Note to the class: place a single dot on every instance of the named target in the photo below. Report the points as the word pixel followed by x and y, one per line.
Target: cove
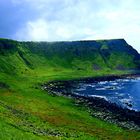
pixel 123 92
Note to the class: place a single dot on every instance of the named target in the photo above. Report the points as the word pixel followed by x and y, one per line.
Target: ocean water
pixel 123 92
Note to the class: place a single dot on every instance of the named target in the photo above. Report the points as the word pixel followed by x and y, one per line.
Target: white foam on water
pixel 138 78
pixel 91 85
pixel 101 88
pixel 134 80
pixel 121 94
pixel 110 87
pixel 98 96
pixel 127 101
pixel 102 82
pixel 80 89
pixel 114 83
pixel 118 80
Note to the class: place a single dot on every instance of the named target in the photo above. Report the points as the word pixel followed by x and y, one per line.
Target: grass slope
pixel 27 112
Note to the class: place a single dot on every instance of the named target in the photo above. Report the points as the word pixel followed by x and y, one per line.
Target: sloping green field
pixel 28 112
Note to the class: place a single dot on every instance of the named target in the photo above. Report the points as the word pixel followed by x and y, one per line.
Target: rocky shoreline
pixel 97 107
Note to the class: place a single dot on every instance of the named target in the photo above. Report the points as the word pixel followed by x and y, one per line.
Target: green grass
pixel 50 114
pixel 28 112
pixel 9 131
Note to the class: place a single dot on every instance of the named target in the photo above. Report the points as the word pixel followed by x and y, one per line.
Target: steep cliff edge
pixel 88 56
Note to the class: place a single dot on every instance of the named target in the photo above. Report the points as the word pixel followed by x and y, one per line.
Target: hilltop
pixel 79 56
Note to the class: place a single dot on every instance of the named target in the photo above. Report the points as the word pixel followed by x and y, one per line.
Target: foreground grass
pixel 27 112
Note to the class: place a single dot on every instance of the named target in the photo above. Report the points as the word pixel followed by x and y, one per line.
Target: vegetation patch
pixel 28 112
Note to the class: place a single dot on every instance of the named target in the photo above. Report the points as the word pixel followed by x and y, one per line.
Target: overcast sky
pixel 54 20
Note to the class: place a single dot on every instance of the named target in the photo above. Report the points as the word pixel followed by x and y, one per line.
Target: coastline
pixel 97 107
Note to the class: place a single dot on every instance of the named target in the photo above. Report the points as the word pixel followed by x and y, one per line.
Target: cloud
pixel 33 30
pixel 71 20
pixel 42 30
pixel 68 21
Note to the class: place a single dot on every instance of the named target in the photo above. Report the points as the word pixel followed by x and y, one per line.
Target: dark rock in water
pixel 97 107
pixel 128 104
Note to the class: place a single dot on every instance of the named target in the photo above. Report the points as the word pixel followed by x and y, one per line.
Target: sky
pixel 57 20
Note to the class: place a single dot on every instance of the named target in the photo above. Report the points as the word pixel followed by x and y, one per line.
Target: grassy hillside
pixel 28 112
pixel 78 56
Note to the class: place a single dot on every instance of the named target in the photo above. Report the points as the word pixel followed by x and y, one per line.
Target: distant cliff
pixel 82 56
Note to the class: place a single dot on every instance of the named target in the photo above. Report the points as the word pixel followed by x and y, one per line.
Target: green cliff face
pixel 90 56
